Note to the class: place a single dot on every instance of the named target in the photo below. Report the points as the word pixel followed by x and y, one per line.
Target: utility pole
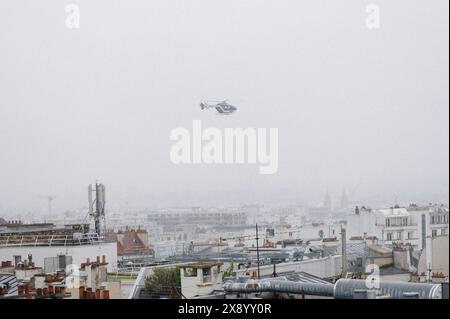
pixel 429 273
pixel 344 251
pixel 257 249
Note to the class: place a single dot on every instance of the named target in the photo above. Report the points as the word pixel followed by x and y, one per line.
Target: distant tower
pixel 327 200
pixel 50 199
pixel 344 199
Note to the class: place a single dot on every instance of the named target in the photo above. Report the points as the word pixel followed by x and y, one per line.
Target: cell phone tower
pixel 97 206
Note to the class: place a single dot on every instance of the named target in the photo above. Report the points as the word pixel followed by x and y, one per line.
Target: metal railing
pixel 49 240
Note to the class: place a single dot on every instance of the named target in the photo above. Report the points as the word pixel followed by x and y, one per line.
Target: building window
pixel 399 235
pixel 389 236
pixel 444 231
pixel 410 235
pixel 434 233
pixel 388 222
pixel 190 272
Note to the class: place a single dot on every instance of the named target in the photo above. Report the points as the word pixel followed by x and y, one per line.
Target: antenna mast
pixel 257 249
pixel 99 213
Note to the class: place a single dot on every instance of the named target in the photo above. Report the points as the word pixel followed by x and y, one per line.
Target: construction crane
pixel 50 199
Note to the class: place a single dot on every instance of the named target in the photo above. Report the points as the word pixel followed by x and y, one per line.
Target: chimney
pixel 103 259
pixel 81 292
pixel 105 294
pixel 98 259
pixel 88 260
pixel 27 287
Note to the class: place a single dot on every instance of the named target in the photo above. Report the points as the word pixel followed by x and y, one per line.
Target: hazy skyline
pixel 365 109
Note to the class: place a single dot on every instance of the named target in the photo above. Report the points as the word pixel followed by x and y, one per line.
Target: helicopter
pixel 223 107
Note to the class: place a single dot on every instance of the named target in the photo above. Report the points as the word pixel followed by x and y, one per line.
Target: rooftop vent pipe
pixel 342 289
pixel 281 286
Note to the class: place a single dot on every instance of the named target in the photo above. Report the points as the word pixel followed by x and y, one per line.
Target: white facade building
pixel 411 225
pixel 78 253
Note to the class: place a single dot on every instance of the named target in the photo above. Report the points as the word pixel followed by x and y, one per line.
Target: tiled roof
pixel 128 243
pixel 10 281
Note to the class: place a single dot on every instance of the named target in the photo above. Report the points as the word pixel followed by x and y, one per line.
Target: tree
pixel 164 282
pixel 229 271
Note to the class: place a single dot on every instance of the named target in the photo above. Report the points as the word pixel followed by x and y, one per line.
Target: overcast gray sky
pixel 365 109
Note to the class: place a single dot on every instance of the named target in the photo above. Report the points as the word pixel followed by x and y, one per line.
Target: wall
pixel 115 289
pixel 195 286
pixel 78 253
pixel 406 277
pixel 440 254
pixel 322 267
pixel 189 286
pixel 436 257
pixel 364 222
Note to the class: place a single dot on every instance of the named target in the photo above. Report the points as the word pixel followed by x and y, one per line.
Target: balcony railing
pixel 397 226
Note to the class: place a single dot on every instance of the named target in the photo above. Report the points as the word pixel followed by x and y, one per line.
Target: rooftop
pixel 388 212
pixel 50 240
pixel 202 264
